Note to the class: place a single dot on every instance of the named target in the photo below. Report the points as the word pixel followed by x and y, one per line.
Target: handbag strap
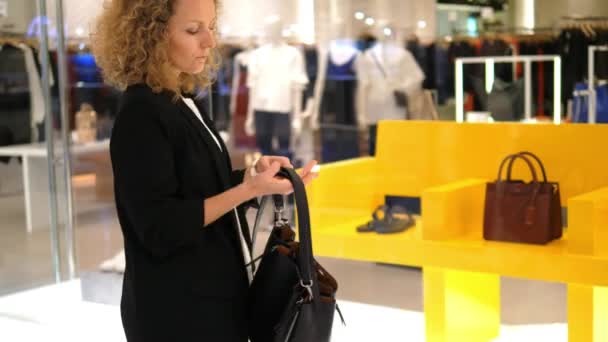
pixel 502 166
pixel 378 64
pixel 511 159
pixel 305 255
pixel 533 156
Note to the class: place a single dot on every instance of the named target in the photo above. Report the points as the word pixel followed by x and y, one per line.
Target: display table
pixel 35 178
pixel 447 165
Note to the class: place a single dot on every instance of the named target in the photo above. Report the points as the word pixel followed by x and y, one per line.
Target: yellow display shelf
pixel 448 165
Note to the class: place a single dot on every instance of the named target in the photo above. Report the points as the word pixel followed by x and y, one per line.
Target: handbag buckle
pixel 308 288
pixel 279 219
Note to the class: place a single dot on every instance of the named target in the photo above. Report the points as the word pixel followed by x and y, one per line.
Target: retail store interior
pixel 410 106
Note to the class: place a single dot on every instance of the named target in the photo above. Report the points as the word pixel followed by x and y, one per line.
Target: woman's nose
pixel 208 40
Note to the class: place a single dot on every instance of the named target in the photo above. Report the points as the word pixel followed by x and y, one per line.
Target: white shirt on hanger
pixel 246 253
pixel 274 72
pixel 35 83
pixel 402 73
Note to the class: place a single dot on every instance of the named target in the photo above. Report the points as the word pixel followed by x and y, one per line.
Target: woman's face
pixel 191 35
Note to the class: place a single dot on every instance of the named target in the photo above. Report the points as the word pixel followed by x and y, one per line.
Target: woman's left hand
pixel 265 161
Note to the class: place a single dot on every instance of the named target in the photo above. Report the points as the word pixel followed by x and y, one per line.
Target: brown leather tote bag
pixel 516 211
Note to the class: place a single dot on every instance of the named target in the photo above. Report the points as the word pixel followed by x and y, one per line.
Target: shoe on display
pixel 388 220
pixel 377 216
pixel 396 220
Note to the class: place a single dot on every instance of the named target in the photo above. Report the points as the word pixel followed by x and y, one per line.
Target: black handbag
pixel 292 298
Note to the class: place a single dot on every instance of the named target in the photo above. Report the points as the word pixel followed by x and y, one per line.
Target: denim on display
pixel 373 129
pixel 269 125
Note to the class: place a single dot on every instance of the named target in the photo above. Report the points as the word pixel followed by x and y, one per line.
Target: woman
pixel 186 245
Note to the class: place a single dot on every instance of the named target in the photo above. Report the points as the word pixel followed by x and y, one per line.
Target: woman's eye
pixel 193 31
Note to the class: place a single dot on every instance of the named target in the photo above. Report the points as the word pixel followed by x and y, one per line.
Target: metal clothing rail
pixel 528 60
pixel 592 117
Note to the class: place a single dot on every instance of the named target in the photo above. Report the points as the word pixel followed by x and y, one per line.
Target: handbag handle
pixel 533 156
pixel 305 255
pixel 511 159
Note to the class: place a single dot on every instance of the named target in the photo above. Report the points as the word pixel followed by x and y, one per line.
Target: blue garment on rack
pixel 339 135
pixel 442 75
pixel 338 103
pixel 580 104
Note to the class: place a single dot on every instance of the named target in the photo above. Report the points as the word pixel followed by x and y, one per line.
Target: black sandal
pixel 397 219
pixel 378 215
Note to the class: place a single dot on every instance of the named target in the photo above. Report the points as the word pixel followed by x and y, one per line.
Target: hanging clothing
pixel 241 106
pixel 497 47
pixel 269 125
pixel 442 75
pixel 274 72
pixel 601 58
pixel 15 98
pixel 382 70
pixel 425 57
pixel 338 98
pixel 574 53
pixel 338 119
pixel 35 85
pixel 456 50
pixel 303 144
pixel 311 58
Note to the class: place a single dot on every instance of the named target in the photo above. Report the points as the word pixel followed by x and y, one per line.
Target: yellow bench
pixel 447 165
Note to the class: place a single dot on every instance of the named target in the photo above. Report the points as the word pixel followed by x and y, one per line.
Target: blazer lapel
pixel 218 158
pixel 242 218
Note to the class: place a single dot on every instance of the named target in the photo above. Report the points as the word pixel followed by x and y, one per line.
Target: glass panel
pixel 25 194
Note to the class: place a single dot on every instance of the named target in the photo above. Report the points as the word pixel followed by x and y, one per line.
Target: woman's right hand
pixel 266 182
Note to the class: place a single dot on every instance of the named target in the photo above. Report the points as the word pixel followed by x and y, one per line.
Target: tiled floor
pixel 25 263
pixel 56 313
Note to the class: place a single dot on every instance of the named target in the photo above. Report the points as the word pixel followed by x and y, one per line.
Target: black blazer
pixel 183 281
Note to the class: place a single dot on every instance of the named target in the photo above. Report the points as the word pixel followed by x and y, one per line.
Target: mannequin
pixel 239 98
pixel 334 106
pixel 276 79
pixel 384 68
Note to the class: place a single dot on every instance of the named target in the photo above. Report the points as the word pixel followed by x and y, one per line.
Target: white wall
pixel 246 18
pixel 310 18
pixel 547 13
pixel 402 14
pixel 19 14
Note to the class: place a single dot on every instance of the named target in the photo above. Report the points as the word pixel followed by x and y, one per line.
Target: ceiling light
pixel 359 15
pixel 370 21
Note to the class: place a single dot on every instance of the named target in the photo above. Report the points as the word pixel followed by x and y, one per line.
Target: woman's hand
pixel 266 182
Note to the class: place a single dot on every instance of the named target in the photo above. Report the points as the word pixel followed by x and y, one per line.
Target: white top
pixel 341 51
pixel 194 109
pixel 244 246
pixel 402 73
pixel 274 71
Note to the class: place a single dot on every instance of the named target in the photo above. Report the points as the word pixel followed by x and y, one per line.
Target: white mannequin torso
pixel 382 69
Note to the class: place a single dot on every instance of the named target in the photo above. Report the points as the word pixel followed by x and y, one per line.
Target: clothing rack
pixel 586 24
pixel 488 61
pixel 592 117
pixel 15 39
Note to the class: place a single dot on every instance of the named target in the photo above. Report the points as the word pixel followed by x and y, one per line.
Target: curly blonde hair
pixel 130 45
